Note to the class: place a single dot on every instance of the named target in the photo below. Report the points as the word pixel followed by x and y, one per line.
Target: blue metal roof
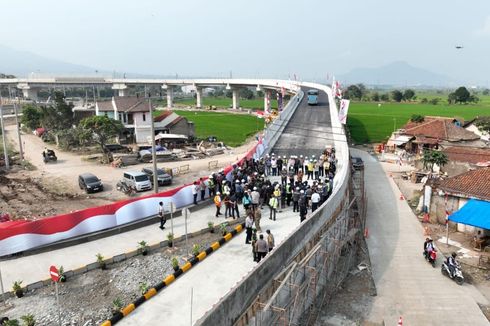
pixel 475 212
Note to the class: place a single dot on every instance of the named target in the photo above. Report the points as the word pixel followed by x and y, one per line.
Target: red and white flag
pixel 344 109
pixel 338 93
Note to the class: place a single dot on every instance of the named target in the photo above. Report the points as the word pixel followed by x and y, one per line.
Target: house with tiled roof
pixel 450 194
pixel 433 132
pixel 462 159
pixel 134 113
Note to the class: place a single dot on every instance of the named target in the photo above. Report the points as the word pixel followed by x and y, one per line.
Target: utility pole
pixel 5 154
pixel 21 151
pixel 153 148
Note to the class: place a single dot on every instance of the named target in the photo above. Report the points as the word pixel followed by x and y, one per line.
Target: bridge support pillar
pixel 28 92
pixel 199 97
pixel 170 97
pixel 236 98
pixel 122 89
pixel 267 101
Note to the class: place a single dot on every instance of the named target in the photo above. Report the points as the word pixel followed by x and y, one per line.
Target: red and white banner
pixel 344 109
pixel 17 236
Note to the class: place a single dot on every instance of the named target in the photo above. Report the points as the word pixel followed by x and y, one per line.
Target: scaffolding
pixel 297 293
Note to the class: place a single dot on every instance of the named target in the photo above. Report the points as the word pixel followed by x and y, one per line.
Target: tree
pixel 353 92
pixel 432 157
pixel 362 89
pixel 246 93
pixel 57 117
pixel 396 95
pixel 219 92
pixel 384 97
pixel 486 91
pixel 229 93
pixel 417 118
pixel 473 99
pixel 375 97
pixel 408 95
pixel 483 124
pixel 424 100
pixel 435 100
pixel 461 95
pixel 101 129
pixel 451 98
pixel 31 116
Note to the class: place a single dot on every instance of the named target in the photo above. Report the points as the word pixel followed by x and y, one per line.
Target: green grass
pixel 224 102
pixel 369 123
pixel 231 129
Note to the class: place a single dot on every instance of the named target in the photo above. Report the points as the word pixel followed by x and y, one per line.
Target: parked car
pixel 138 180
pixel 164 179
pixel 357 163
pixel 117 148
pixel 90 183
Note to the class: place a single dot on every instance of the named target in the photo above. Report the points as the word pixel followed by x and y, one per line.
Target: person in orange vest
pixel 217 202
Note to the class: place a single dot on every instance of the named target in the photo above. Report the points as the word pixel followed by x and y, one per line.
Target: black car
pixel 357 163
pixel 117 148
pixel 164 179
pixel 90 183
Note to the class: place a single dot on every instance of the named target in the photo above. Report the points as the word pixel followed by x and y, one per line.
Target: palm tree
pixel 432 157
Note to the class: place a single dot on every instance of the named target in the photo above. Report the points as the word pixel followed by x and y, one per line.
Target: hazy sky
pixel 254 37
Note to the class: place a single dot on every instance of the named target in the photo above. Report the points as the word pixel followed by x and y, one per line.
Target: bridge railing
pixel 275 129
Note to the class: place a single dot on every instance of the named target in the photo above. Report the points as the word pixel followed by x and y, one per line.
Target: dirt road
pixel 62 175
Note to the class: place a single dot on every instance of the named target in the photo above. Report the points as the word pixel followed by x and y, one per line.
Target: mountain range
pixel 397 73
pixel 24 63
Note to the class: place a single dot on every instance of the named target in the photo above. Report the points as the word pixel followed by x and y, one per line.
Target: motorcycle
pixel 457 276
pixel 123 187
pixel 431 258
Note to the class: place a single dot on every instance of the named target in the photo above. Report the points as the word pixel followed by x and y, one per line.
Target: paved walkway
pixel 33 268
pixel 407 285
pixel 209 280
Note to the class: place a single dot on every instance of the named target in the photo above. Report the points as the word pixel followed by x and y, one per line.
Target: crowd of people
pixel 303 182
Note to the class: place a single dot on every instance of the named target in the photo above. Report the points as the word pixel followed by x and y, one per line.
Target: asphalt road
pixel 308 130
pixel 406 284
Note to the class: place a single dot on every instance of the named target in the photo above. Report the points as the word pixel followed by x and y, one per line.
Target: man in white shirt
pixel 315 200
pixel 249 222
pixel 195 189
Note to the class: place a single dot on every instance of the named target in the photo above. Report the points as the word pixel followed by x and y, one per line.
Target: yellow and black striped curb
pixel 108 261
pixel 172 277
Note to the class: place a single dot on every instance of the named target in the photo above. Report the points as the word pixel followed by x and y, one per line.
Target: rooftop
pixel 468 154
pixel 473 184
pixel 439 128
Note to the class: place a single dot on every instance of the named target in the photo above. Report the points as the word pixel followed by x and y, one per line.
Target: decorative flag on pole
pixel 338 93
pixel 334 90
pixel 279 101
pixel 344 109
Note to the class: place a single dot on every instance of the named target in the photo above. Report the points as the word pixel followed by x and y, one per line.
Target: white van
pixel 138 180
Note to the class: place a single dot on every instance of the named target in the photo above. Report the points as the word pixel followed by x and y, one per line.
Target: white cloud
pixel 485 30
